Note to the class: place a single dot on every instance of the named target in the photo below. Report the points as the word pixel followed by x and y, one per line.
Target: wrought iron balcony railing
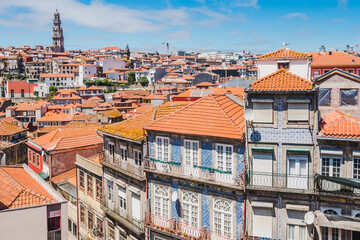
pixel 194 172
pixel 265 180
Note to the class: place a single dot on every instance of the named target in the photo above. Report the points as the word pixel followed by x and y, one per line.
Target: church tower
pixel 58 37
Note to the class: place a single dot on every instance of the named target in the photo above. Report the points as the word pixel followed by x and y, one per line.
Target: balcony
pixel 200 173
pixel 337 185
pixel 121 215
pixel 179 230
pixel 124 167
pixel 279 182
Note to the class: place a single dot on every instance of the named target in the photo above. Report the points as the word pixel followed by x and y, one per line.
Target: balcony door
pixel 162 153
pixel 297 172
pixel 262 174
pixel 191 155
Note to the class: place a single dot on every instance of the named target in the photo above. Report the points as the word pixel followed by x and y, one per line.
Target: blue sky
pixel 225 25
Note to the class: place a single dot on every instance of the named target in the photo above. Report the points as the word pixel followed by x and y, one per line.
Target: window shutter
pixel 263 112
pixel 298 112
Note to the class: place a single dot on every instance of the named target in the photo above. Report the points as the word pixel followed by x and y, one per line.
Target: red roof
pixel 340 125
pixel 336 60
pixel 281 80
pixel 56 75
pixel 284 53
pixel 17 86
pixel 213 115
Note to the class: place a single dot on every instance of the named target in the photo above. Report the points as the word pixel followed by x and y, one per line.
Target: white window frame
pixel 123 152
pixel 191 152
pixel 160 155
pixel 111 149
pixel 297 178
pixel 296 232
pixel 330 230
pixel 331 165
pixel 122 199
pixel 110 192
pixel 356 158
pixel 162 199
pixel 289 110
pixel 224 167
pixel 138 158
pixel 262 102
pixel 222 214
pixel 192 206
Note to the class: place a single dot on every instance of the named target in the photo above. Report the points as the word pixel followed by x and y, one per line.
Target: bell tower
pixel 58 37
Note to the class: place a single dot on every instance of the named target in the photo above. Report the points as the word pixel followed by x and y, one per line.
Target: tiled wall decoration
pixel 175 202
pixel 205 209
pixel 240 160
pixel 278 217
pixel 239 216
pixel 176 150
pixel 206 154
pixel 151 143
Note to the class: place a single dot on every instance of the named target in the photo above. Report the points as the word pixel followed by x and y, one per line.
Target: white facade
pixel 61 80
pixel 108 64
pixel 299 67
pixel 42 89
pixel 85 71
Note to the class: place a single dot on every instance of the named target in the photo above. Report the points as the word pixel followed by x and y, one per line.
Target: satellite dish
pixel 249 115
pixel 174 196
pixel 309 218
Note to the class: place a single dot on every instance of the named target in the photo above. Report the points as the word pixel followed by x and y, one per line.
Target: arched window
pixel 223 219
pixel 330 212
pixel 190 198
pixel 357 215
pixel 190 209
pixel 161 205
pixel 162 191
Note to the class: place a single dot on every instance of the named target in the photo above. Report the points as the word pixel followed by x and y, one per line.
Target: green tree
pixel 131 78
pixel 144 81
pixel 53 89
pixel 36 93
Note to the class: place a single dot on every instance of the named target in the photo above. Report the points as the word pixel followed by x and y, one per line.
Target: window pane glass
pixel 349 97
pixel 324 97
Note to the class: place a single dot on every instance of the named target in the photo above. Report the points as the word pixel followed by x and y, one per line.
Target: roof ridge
pixel 200 99
pixel 223 112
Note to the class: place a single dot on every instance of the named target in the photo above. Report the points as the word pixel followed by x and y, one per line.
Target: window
pixel 110 191
pixel 296 232
pixel 330 212
pixel 357 168
pixel 162 152
pixel 12 93
pixel 297 172
pixel 316 73
pixel 330 233
pixel 74 229
pixel 81 181
pixel 38 160
pixel 298 112
pixel 263 112
pixel 191 153
pixel 82 214
pixel 284 65
pixel 98 189
pixel 111 231
pixel 325 71
pixel 190 209
pixel 349 97
pixel 22 93
pixel 123 152
pixel 122 197
pixel 137 157
pixel 350 71
pixel 90 184
pixel 90 220
pixel 325 97
pixel 111 152
pixel 224 157
pixel 331 166
pixel 222 218
pixel 358 72
pixel 100 225
pixel 162 201
pixel 69 225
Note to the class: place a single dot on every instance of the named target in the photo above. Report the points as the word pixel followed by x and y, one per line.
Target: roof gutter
pixel 115 136
pixel 339 139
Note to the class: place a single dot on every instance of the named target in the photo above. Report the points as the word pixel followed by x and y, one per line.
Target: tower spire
pixel 58 37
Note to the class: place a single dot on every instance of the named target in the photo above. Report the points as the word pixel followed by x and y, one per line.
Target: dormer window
pixel 284 65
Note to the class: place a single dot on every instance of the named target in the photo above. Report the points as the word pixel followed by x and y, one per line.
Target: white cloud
pixel 342 2
pixel 246 3
pixel 235 33
pixel 296 15
pixel 178 35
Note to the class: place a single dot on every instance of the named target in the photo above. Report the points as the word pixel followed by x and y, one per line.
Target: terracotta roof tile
pixel 281 80
pixel 284 53
pixel 112 113
pixel 213 115
pixel 132 128
pixel 340 125
pixel 64 176
pixel 19 189
pixel 54 117
pixel 337 60
pixel 7 129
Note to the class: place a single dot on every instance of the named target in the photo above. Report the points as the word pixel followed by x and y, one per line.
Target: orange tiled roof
pixel 53 117
pixel 281 80
pixel 7 129
pixel 284 53
pixel 132 128
pixel 340 125
pixel 213 115
pixel 19 189
pixel 337 60
pixel 112 113
pixel 64 176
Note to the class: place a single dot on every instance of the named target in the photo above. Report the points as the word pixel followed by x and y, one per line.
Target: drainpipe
pixel 244 173
pixel 77 203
